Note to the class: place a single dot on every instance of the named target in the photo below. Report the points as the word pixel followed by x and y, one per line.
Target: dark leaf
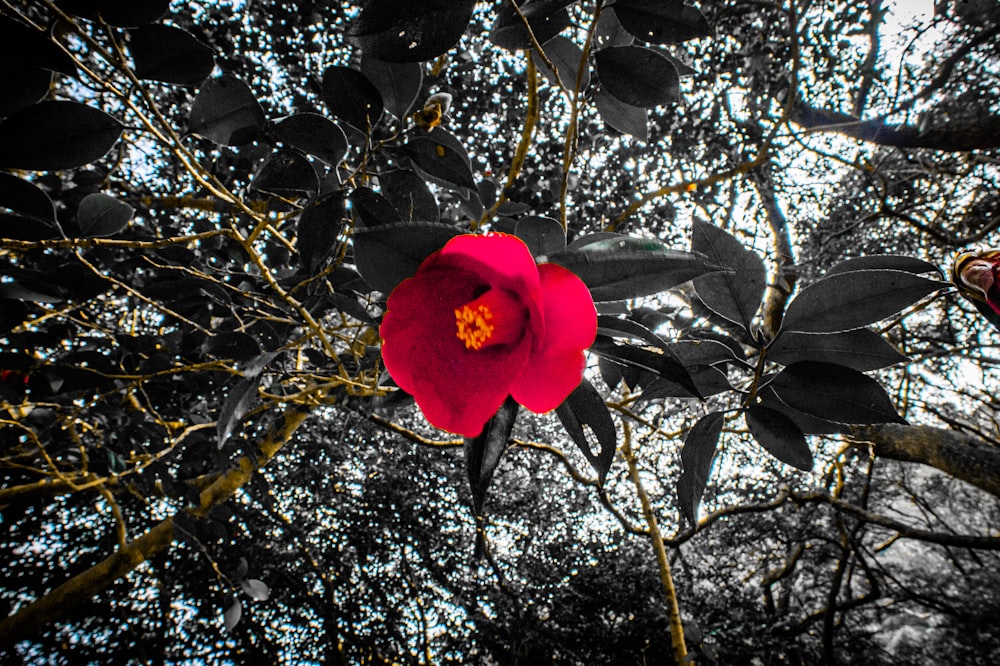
pixel 79 282
pixel 226 112
pixel 610 32
pixel 779 435
pixel 102 215
pixel 585 407
pixel 409 195
pixel 623 117
pixel 620 268
pixel 411 31
pixel 56 135
pixel 547 19
pixel 860 349
pixel 313 134
pixel 171 55
pixel 542 235
pixel 24 47
pixel 119 13
pixel 12 314
pixel 397 82
pixel 286 174
pixel 17 227
pixel 372 209
pixel 735 295
pixel 566 56
pixel 232 614
pixel 351 97
pixel 708 381
pixel 232 345
pixel 697 455
pixel 884 261
pixel 662 364
pixel 442 158
pixel 844 301
pixel 638 76
pixel 20 196
pixel 236 405
pixel 834 393
pixel 482 453
pixel 808 424
pixel 616 327
pixel 24 86
pixel 702 352
pixel 388 254
pixel 661 21
pixel 319 227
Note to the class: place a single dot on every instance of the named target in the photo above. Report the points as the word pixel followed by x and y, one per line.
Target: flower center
pixel 473 325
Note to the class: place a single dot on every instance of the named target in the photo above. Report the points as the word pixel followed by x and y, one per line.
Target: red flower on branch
pixel 977 276
pixel 480 321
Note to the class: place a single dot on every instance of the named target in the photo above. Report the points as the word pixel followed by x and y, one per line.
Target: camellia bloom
pixel 480 321
pixel 977 276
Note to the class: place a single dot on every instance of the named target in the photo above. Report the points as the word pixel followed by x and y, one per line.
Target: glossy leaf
pixel 834 393
pixel 441 157
pixel 351 97
pixel 860 349
pixel 388 254
pixel 372 209
pixel 697 455
pixel 102 215
pixel 411 31
pixel 807 423
pixel 662 364
pixel 236 405
pixel 409 195
pixel 171 55
pixel 20 196
pixel 884 261
pixel 735 295
pixel 616 327
pixel 313 134
pixel 585 407
pixel 547 19
pixel 706 379
pixel 661 21
pixel 844 301
pixel 482 453
pixel 779 435
pixel 702 352
pixel 225 111
pixel 319 228
pixel 638 76
pixel 566 56
pixel 286 174
pixel 623 117
pixel 542 235
pixel 397 82
pixel 56 135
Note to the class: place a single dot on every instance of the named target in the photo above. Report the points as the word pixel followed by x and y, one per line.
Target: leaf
pixel 638 76
pixel 662 22
pixel 119 13
pixel 372 209
pixel 808 424
pixel 398 83
pixel 313 134
pixel 844 301
pixel 482 453
pixel 56 135
pixel 834 393
pixel 542 235
pixel 286 174
pixel 388 254
pixel 226 112
pixel 412 31
pixel 20 196
pixel 236 405
pixel 860 349
pixel 621 268
pixel 23 47
pixel 441 157
pixel 351 97
pixel 623 117
pixel 616 327
pixel 735 295
pixel 884 261
pixel 547 19
pixel 231 616
pixel 702 352
pixel 697 455
pixel 706 379
pixel 24 86
pixel 255 589
pixel 566 56
pixel 102 215
pixel 319 228
pixel 12 314
pixel 585 407
pixel 171 55
pixel 662 364
pixel 779 435
pixel 409 195
pixel 232 345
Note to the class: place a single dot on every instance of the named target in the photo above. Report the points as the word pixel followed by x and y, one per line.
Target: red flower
pixel 480 321
pixel 977 276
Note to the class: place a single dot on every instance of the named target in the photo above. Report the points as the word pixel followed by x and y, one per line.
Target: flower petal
pixel 557 359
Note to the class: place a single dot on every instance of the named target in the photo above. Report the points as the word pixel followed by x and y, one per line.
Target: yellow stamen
pixel 473 327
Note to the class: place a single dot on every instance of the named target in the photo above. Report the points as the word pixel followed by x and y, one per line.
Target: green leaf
pixel 409 195
pixel 547 19
pixel 660 21
pixel 585 407
pixel 319 228
pixel 566 56
pixel 20 196
pixel 411 31
pixel 372 209
pixel 844 301
pixel 620 268
pixel 860 349
pixel 697 455
pixel 779 435
pixel 884 261
pixel 286 174
pixel 834 393
pixel 638 76
pixel 623 117
pixel 398 83
pixel 542 235
pixel 388 254
pixel 351 97
pixel 226 112
pixel 56 135
pixel 735 295
pixel 482 453
pixel 102 215
pixel 171 55
pixel 313 134
pixel 442 158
